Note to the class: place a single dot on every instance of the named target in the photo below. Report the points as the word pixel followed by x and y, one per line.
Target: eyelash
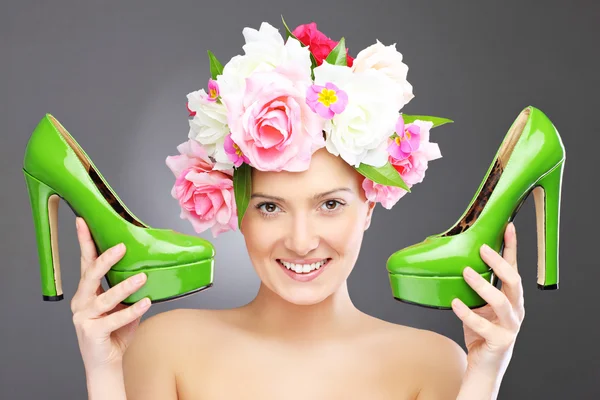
pixel 272 214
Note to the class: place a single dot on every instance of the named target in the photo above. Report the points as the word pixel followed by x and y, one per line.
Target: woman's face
pixel 303 230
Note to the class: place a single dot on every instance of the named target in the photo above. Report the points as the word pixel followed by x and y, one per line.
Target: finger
pixel 115 295
pixel 477 323
pixel 93 275
pixel 86 244
pixel 510 277
pixel 121 318
pixel 494 297
pixel 510 245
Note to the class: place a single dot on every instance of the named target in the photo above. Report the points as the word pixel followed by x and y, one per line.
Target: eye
pixel 332 205
pixel 267 209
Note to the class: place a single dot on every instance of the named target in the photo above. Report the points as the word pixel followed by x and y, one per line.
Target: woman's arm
pixel 103 325
pixel 491 331
pixel 480 386
pixel 106 383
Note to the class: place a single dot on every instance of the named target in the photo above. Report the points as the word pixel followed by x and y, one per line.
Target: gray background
pixel 116 75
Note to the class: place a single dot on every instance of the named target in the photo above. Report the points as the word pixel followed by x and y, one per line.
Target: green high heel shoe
pixel 531 158
pixel 56 167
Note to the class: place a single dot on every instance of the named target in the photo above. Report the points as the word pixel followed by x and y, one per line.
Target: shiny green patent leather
pixel 56 167
pixel 429 273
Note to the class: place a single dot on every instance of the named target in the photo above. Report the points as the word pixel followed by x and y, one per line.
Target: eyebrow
pixel 315 197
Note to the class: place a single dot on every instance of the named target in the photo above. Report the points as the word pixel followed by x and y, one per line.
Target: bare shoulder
pixel 172 330
pixel 424 342
pixel 172 321
pixel 154 356
pixel 437 363
pixel 445 363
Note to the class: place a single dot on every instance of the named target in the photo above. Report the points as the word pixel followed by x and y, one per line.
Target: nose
pixel 302 238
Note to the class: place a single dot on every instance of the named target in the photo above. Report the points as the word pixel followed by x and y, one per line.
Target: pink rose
pixel 271 123
pixel 319 45
pixel 411 169
pixel 205 195
pixel 192 154
pixel 388 196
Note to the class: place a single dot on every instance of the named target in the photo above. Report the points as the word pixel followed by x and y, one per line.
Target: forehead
pixel 325 172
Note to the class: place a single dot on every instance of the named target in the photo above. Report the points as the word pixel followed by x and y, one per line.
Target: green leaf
pixel 287 30
pixel 242 189
pixel 216 68
pixel 386 175
pixel 437 121
pixel 313 61
pixel 337 56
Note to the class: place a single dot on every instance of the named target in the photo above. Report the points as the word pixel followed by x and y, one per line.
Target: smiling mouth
pixel 304 268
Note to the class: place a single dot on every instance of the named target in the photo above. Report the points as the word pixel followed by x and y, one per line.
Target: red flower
pixel 191 113
pixel 319 45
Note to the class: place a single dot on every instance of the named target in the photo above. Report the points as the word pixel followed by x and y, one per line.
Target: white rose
pixel 217 152
pixel 359 134
pixel 389 61
pixel 209 125
pixel 264 50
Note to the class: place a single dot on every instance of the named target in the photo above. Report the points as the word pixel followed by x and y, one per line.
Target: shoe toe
pixel 183 248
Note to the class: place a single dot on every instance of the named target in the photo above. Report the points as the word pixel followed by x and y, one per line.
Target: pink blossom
pixel 412 168
pixel 271 122
pixel 406 141
pixel 213 90
pixel 326 100
pixel 233 152
pixel 205 195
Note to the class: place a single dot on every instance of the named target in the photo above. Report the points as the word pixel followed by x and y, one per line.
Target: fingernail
pixel 77 222
pixel 487 249
pixel 118 248
pixel 138 278
pixel 459 307
pixel 470 272
pixel 512 228
pixel 142 304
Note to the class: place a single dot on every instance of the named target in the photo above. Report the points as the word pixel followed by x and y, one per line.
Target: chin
pixel 304 296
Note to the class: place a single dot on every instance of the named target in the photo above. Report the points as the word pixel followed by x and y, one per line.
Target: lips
pixel 315 271
pixel 304 267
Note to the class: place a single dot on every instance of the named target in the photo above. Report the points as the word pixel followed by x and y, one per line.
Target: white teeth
pixel 303 268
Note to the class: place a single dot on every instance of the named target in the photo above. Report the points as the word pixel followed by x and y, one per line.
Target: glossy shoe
pixel 56 167
pixel 531 158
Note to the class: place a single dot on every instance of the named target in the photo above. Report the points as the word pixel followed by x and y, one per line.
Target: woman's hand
pixel 104 326
pixel 491 331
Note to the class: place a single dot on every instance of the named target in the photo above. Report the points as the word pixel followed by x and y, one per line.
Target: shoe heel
pixel 547 194
pixel 44 207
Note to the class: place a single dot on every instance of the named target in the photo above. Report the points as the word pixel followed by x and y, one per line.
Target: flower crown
pixel 281 101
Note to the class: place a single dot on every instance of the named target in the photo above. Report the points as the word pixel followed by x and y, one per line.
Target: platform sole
pixel 437 291
pixel 167 283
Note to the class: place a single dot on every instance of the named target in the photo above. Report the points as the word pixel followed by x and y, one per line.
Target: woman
pixel 301 336
pixel 305 128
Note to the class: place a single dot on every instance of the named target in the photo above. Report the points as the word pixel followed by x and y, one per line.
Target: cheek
pixel 260 236
pixel 344 233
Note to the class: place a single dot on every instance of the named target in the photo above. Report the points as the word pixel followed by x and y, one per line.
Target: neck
pixel 273 316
